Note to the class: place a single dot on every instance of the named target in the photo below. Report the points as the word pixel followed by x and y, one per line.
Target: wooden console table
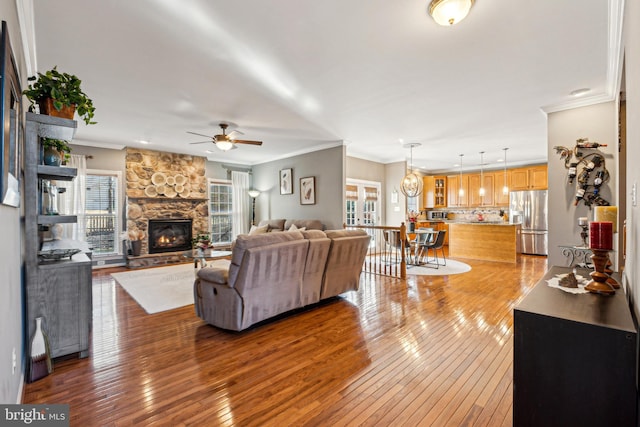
pixel 574 358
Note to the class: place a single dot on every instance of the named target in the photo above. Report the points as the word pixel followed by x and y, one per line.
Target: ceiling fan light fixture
pixel 224 145
pixel 449 12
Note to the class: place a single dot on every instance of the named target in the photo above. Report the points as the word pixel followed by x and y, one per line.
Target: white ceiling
pixel 301 75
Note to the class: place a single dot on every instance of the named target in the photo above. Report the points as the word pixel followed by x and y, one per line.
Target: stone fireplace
pixel 166 187
pixel 169 235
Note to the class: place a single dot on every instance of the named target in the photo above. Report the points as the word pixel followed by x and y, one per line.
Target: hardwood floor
pixel 417 352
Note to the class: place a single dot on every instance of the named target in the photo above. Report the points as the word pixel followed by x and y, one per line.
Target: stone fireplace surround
pixel 193 204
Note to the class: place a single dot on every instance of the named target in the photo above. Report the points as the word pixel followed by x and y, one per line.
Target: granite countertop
pixel 483 222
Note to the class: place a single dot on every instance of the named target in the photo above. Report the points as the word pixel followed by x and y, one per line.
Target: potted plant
pixel 59 94
pixel 54 150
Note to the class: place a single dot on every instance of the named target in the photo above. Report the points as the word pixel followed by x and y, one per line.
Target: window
pixel 412 204
pixel 101 207
pixel 220 211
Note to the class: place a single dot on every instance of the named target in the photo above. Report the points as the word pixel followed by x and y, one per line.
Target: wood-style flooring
pixel 425 351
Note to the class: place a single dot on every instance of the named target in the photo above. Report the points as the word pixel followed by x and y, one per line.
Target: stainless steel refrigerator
pixel 530 209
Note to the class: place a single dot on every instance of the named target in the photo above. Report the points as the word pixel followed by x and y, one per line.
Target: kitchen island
pixel 484 240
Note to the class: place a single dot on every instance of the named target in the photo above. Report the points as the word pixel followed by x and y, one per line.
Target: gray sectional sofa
pixel 273 273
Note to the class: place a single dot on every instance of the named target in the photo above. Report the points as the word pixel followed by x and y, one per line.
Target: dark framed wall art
pixel 286 181
pixel 308 190
pixel 11 117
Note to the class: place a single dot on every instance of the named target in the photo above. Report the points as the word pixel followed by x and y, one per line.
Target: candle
pixel 583 220
pixel 601 235
pixel 606 213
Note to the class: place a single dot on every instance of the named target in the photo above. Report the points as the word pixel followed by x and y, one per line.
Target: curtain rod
pixel 236 168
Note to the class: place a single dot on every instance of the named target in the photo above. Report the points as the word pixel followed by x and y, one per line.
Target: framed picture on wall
pixel 11 118
pixel 286 181
pixel 308 190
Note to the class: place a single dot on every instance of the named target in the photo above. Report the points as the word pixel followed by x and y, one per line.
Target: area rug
pixel 160 289
pixel 452 267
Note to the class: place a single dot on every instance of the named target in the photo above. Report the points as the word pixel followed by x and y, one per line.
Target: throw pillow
pixel 258 230
pixel 294 228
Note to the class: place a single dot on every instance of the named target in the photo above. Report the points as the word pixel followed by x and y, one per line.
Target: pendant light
pixel 505 188
pixel 481 192
pixel 461 190
pixel 411 185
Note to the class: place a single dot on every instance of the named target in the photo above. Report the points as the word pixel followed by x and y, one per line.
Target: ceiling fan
pixel 224 141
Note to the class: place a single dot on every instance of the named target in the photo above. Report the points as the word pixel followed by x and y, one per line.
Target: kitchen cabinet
pixel 475 199
pixel 435 191
pixel 58 291
pixel 574 358
pixel 454 183
pixel 529 178
pixel 500 179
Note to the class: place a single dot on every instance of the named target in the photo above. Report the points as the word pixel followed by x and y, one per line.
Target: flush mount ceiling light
pixel 411 185
pixel 449 12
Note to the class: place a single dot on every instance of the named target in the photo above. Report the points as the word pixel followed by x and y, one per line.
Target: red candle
pixel 601 235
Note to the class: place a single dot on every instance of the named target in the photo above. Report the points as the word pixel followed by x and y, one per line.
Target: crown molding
pixel 615 52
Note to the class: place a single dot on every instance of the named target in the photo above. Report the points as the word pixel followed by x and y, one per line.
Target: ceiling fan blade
pixel 199 134
pixel 233 134
pixel 242 141
pixel 201 142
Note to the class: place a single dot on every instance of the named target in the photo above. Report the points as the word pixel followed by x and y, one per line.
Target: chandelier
pixel 449 12
pixel 411 185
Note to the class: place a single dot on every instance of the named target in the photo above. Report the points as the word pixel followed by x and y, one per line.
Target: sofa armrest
pixel 218 275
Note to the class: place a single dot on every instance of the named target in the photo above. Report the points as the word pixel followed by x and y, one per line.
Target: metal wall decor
pixel 586 168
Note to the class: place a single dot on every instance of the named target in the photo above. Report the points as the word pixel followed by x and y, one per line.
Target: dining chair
pixel 393 241
pixel 437 243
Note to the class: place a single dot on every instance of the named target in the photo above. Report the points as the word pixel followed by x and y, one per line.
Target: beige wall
pixel 11 256
pixel 396 213
pixel 632 83
pixel 598 123
pixel 328 166
pixel 367 170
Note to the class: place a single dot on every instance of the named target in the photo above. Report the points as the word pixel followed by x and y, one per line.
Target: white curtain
pixel 241 207
pixel 71 202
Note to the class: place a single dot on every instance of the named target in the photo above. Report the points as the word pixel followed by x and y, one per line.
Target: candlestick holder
pixel 599 283
pixel 584 234
pixel 607 269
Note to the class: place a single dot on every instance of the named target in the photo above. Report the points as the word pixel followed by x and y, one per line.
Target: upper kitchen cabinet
pixel 501 179
pixel 435 191
pixel 529 178
pixel 454 185
pixel 475 199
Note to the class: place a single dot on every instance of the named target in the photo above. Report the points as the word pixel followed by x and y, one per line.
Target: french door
pixel 362 202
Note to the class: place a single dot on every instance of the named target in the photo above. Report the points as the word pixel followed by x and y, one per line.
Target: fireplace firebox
pixel 169 235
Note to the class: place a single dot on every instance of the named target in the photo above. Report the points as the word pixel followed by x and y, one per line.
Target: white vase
pixel 56 231
pixel 40 355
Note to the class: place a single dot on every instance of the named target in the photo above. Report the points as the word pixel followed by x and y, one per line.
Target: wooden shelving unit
pixel 58 291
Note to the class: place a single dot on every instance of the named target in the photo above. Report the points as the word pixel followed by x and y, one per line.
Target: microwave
pixel 431 215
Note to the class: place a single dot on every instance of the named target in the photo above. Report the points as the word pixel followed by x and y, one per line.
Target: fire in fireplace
pixel 169 235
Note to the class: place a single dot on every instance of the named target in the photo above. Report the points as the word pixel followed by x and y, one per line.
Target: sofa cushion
pixel 260 229
pixel 314 234
pixel 214 274
pixel 273 224
pixel 294 228
pixel 336 234
pixel 245 242
pixel 309 224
